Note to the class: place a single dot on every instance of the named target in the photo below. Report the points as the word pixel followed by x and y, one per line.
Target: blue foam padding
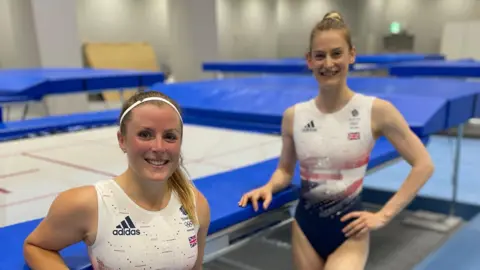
pixel 389 58
pixel 247 103
pixel 264 99
pixel 10 83
pixel 462 96
pixel 13 99
pixel 19 129
pixel 259 66
pixel 460 251
pixel 299 65
pixel 13 236
pixel 222 191
pixel 36 83
pixel 437 68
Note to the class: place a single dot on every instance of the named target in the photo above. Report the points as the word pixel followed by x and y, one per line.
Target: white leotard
pixel 130 237
pixel 333 151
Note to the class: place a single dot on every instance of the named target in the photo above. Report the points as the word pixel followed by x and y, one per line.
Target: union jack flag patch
pixel 353 136
pixel 192 240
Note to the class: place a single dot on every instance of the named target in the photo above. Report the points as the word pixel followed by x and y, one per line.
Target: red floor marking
pixel 4 191
pixel 233 151
pixel 53 147
pixel 199 160
pixel 71 165
pixel 28 200
pixel 3 176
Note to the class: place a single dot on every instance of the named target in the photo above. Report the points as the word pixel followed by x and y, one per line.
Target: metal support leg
pixel 122 98
pixel 456 166
pixel 45 106
pixel 219 75
pixel 25 111
pixel 434 221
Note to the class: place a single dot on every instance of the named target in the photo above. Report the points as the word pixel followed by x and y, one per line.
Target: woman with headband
pixel 150 216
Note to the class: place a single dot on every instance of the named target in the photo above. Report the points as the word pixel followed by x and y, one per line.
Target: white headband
pixel 149 99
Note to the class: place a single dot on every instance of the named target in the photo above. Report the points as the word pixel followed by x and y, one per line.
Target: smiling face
pixel 152 139
pixel 330 57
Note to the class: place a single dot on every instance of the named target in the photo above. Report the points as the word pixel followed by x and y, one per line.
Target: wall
pixel 247 29
pixel 17 48
pixel 125 21
pixel 251 28
pixel 297 18
pixel 423 18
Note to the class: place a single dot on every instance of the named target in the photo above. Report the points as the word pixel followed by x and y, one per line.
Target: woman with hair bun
pixel 332 136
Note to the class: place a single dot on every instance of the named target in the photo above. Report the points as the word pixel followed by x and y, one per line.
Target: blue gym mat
pixel 390 58
pixel 299 65
pixel 428 105
pixel 247 104
pixel 462 69
pixel 36 83
pixel 259 66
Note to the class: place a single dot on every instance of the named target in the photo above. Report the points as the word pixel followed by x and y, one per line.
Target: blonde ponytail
pixel 184 188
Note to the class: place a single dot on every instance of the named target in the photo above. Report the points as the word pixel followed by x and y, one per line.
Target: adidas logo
pixel 126 227
pixel 309 127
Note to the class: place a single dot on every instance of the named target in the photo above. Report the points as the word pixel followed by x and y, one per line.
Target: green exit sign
pixel 395 27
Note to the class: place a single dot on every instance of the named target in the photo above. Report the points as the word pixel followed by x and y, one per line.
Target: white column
pixel 193 37
pixel 59 46
pixel 7 46
pixel 42 34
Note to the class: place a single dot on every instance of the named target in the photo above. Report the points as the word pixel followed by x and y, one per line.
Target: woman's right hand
pixel 264 193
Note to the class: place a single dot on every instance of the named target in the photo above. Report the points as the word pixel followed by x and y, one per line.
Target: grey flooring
pixel 395 247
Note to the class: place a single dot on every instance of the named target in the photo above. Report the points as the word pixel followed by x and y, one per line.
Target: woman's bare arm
pixel 66 223
pixel 391 124
pixel 282 176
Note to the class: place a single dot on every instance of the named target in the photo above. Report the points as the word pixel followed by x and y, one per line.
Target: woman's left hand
pixel 364 222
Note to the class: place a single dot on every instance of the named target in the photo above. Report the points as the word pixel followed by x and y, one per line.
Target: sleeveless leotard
pixel 333 150
pixel 130 237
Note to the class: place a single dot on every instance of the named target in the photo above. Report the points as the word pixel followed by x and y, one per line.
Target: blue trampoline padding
pixel 291 65
pixel 223 192
pixel 12 99
pixel 247 103
pixel 389 58
pixel 18 129
pixel 263 100
pixel 437 68
pixel 13 236
pixel 462 95
pixel 460 251
pixel 10 84
pixel 38 82
pixel 299 65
